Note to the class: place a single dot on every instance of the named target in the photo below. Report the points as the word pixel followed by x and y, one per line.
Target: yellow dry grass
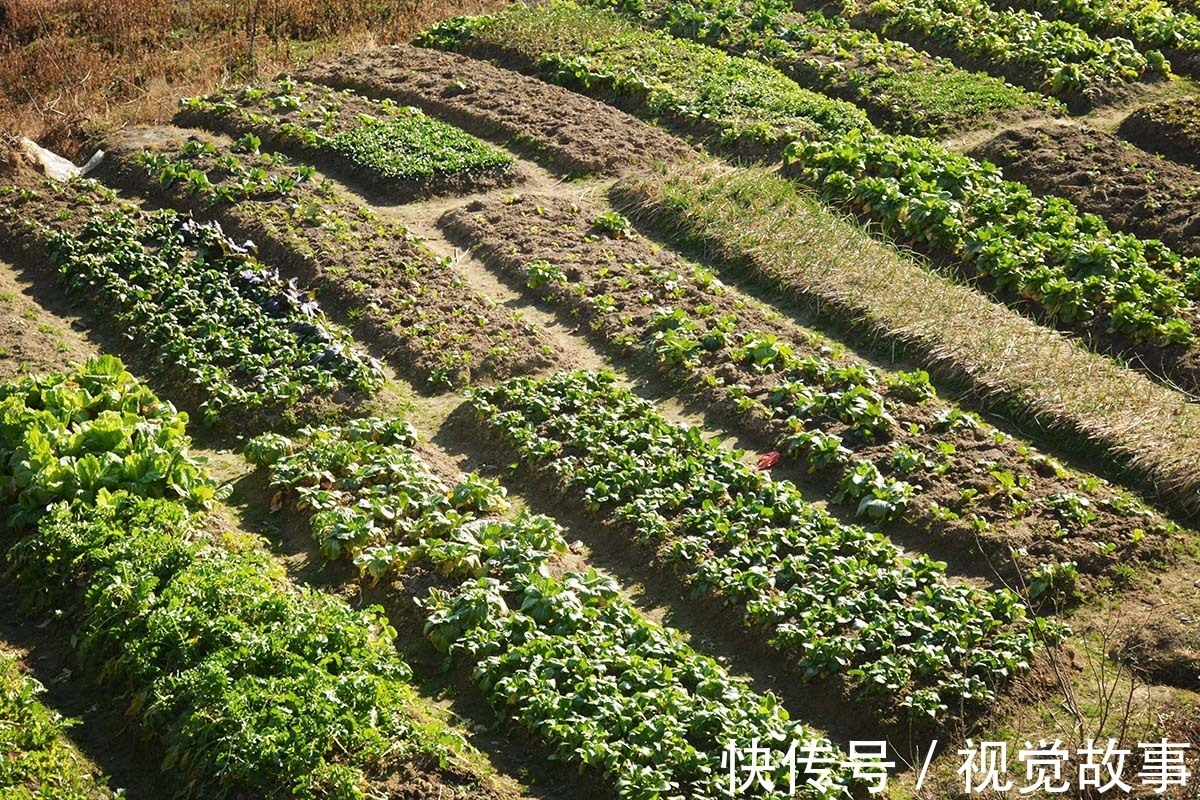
pixel 73 70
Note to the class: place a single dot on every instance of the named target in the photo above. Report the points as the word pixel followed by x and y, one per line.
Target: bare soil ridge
pixel 575 134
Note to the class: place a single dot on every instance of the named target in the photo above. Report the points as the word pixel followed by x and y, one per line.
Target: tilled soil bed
pixel 1171 128
pixel 1132 189
pixel 574 133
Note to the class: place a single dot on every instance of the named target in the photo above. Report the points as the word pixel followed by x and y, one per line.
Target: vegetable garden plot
pixel 561 654
pixel 882 442
pixel 1150 24
pixel 1170 128
pixel 39 760
pixel 1127 295
pixel 1054 57
pixel 902 89
pixel 698 89
pixel 396 150
pixel 422 312
pixel 574 134
pixel 1132 189
pixel 761 225
pixel 200 307
pixel 837 600
pixel 252 687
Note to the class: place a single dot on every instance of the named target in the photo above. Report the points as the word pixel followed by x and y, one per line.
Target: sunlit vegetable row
pixel 250 686
pixel 1149 23
pixel 836 598
pixel 1042 250
pixel 1055 57
pixel 742 101
pixel 384 140
pixel 563 655
pixel 1051 56
pixel 904 89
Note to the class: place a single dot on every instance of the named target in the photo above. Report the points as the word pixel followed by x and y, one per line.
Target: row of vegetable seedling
pixel 836 600
pixel 904 89
pixel 199 306
pixel 1149 24
pixel 557 651
pixel 418 310
pixel 1053 57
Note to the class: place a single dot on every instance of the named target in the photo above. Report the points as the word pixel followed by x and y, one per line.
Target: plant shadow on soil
pixel 104 734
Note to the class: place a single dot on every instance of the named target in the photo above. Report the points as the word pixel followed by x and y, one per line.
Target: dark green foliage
pixel 758 544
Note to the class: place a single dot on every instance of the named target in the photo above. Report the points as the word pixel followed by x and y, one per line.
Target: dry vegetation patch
pixel 72 70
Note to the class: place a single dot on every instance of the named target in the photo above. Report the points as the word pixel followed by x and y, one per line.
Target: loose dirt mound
pixel 577 134
pixel 1168 653
pixel 1171 128
pixel 1132 189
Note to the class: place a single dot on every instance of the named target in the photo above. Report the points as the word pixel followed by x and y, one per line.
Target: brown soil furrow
pixel 571 350
pixel 34 338
pixel 572 133
pixel 1133 190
